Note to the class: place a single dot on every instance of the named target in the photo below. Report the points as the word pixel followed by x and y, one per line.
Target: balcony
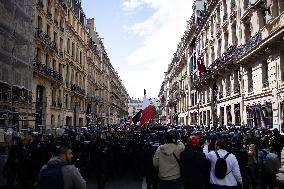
pixel 46 71
pixel 77 89
pixel 249 45
pixel 43 37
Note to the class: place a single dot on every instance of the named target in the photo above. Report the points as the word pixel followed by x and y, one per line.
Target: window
pixel 54 64
pixel 229 115
pixel 55 38
pixel 66 102
pixel 220 90
pixel 233 4
pixel 48 6
pixel 265 82
pixel 59 121
pixel 237 114
pixel 221 116
pixel 225 16
pixel 46 59
pixel 226 36
pixel 53 96
pixel 68 46
pixel 52 120
pixel 209 96
pixel 219 48
pixel 207 60
pixel 247 29
pixel 38 54
pixel 39 22
pixel 61 45
pixel 236 82
pixel 48 30
pixel 250 81
pixel 234 34
pixel 218 15
pixel 261 18
pixel 204 117
pixel 212 26
pixel 60 68
pixel 212 55
pixel 282 66
pixel 59 101
pixel 228 86
pixel 246 4
pixel 73 50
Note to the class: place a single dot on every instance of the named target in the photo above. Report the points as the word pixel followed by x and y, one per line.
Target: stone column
pixel 274 77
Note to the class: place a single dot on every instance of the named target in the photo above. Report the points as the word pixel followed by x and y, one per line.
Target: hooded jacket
pixel 71 175
pixel 165 161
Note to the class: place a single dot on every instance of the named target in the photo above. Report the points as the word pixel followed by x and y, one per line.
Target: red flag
pixel 200 66
pixel 147 114
pixel 130 119
pixel 148 111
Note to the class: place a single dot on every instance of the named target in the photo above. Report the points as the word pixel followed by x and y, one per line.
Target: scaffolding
pixel 16 62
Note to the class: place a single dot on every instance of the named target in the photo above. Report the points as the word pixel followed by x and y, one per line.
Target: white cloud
pixel 160 33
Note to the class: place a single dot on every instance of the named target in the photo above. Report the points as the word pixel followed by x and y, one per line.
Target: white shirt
pixel 233 177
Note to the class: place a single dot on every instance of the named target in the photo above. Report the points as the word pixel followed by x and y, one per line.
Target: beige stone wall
pixel 254 78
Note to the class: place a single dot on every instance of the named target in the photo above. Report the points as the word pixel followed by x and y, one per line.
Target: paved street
pixel 124 182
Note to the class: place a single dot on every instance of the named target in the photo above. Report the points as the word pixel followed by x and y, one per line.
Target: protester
pixel 112 152
pixel 166 160
pixel 59 173
pixel 269 164
pixel 225 171
pixel 194 165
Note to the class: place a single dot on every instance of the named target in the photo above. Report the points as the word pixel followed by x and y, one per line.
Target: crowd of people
pixel 168 156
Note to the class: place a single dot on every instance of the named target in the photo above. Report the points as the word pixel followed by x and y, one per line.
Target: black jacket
pixel 195 166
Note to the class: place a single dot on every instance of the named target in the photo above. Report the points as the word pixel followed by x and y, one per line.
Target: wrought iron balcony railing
pixel 45 70
pixel 77 89
pixel 45 39
pixel 249 45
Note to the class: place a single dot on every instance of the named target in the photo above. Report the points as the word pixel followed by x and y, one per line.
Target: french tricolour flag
pixel 148 111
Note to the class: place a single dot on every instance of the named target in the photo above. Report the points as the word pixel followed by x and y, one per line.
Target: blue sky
pixel 140 37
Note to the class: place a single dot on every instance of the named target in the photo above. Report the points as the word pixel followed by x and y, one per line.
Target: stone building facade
pixel 72 73
pixel 16 52
pixel 236 76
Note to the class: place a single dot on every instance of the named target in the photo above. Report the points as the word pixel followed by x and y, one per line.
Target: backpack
pixel 271 162
pixel 221 166
pixel 51 177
